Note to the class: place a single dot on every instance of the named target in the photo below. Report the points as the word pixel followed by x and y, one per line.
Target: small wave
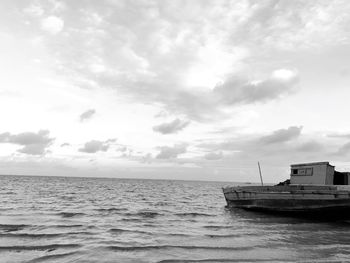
pixel 119 230
pixel 149 225
pixel 43 247
pixel 210 260
pixel 7 208
pixel 42 235
pixel 193 214
pixel 112 210
pixel 223 236
pixel 29 235
pixel 68 198
pixel 144 214
pixel 65 226
pixel 70 214
pixel 177 234
pixel 148 214
pixel 10 193
pixel 162 204
pixel 50 257
pixel 135 248
pixel 216 227
pixel 12 227
pixel 132 219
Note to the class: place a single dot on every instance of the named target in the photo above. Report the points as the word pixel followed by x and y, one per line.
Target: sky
pixel 173 89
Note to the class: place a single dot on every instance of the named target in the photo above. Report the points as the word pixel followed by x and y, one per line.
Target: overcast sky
pixel 174 89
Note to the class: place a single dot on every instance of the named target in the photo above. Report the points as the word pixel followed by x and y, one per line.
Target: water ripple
pixel 80 220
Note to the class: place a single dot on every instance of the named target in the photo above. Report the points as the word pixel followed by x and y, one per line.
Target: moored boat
pixel 315 188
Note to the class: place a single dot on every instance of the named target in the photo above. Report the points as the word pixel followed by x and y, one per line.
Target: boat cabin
pixel 321 173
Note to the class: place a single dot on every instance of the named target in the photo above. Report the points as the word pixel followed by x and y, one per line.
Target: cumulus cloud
pixel 213 156
pixel 311 146
pixel 278 149
pixel 167 152
pixel 33 143
pixel 238 90
pixel 209 104
pixel 122 149
pixel 171 127
pixel 344 149
pixel 282 135
pixel 52 24
pixel 168 69
pixel 175 48
pixel 161 114
pixel 34 10
pixel 112 140
pixel 87 115
pixel 94 146
pixel 276 142
pixel 339 135
pixel 65 144
pixel 147 158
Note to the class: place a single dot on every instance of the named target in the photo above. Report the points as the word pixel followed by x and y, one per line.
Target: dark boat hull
pixel 329 208
pixel 293 200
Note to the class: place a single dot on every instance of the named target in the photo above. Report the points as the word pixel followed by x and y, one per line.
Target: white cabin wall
pixel 321 175
pixel 330 175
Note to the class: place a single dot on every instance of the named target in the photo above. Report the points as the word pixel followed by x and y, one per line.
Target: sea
pixel 61 219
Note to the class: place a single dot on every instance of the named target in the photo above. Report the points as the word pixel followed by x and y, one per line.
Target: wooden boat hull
pixel 299 200
pixel 293 206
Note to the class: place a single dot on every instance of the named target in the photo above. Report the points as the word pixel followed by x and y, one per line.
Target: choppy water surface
pixel 53 219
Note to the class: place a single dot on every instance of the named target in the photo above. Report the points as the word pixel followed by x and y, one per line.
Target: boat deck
pixel 287 188
pixel 287 192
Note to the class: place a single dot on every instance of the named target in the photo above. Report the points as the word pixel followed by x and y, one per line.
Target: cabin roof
pixel 311 164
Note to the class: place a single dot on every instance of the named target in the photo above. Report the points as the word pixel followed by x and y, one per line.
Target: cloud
pixel 199 60
pixel 122 149
pixel 172 66
pixel 169 57
pixel 311 146
pixel 339 135
pixel 94 146
pixel 275 151
pixel 213 156
pixel 344 149
pixel 255 144
pixel 161 114
pixel 171 127
pixel 112 140
pixel 33 143
pixel 236 90
pixel 286 25
pixel 167 152
pixel 52 24
pixel 87 115
pixel 282 135
pixel 34 10
pixel 210 104
pixel 147 158
pixel 65 144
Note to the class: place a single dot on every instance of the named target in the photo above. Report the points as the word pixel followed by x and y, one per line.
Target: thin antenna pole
pixel 262 183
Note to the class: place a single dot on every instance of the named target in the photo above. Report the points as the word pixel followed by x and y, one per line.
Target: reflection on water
pixel 52 219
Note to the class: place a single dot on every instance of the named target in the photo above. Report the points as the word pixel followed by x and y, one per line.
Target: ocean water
pixel 57 219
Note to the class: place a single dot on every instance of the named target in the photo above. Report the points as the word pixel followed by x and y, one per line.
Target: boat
pixel 314 189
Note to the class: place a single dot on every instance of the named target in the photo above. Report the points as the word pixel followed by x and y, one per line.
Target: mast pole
pixel 262 183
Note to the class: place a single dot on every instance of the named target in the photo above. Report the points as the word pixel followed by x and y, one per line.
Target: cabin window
pixel 308 171
pixel 302 171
